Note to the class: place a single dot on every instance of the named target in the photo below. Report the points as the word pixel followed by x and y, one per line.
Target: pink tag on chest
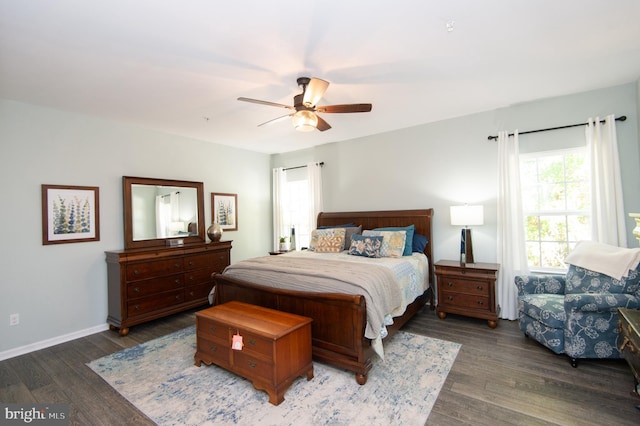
pixel 236 342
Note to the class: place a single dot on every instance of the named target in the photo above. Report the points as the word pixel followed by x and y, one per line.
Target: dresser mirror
pixel 162 212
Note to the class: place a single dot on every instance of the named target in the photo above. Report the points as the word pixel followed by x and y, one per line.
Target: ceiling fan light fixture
pixel 304 121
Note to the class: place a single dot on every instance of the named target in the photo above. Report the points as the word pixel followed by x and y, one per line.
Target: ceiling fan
pixel 305 106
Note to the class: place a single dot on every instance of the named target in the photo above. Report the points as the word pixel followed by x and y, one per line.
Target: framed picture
pixel 70 214
pixel 224 211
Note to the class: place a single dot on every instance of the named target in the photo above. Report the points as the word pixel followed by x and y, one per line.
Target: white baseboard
pixel 51 342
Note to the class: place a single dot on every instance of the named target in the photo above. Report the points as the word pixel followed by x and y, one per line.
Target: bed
pixel 339 320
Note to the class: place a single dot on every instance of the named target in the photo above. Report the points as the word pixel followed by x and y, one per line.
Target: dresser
pixel 467 289
pixel 629 326
pixel 146 284
pixel 275 348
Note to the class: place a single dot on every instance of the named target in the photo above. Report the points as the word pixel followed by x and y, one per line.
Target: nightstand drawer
pixel 462 286
pixel 465 300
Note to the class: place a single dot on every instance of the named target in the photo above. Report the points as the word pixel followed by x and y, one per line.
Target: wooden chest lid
pixel 265 322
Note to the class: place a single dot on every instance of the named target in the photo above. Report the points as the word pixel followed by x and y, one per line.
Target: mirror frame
pixel 128 181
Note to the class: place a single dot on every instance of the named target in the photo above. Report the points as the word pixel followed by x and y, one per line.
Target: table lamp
pixel 465 216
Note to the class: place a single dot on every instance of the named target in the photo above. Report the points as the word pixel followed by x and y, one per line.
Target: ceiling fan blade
pixel 345 108
pixel 315 90
pixel 275 120
pixel 257 101
pixel 322 125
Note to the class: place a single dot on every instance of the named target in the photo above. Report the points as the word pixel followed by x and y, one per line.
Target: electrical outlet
pixel 14 319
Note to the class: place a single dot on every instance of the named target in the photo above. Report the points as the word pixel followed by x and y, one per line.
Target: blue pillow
pixel 408 242
pixel 419 243
pixel 367 246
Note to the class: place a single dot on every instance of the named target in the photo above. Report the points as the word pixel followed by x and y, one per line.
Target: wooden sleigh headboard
pixel 421 219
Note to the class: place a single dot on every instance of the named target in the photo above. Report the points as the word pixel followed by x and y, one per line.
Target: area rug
pixel 159 377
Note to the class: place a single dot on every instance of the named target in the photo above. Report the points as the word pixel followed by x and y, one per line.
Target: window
pixel 296 211
pixel 556 205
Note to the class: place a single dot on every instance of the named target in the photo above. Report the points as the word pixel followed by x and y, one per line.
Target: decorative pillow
pixel 409 239
pixel 419 243
pixel 330 244
pixel 365 246
pixel 331 232
pixel 392 242
pixel 350 232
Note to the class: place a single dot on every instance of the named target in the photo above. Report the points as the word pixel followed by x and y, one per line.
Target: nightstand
pixel 467 289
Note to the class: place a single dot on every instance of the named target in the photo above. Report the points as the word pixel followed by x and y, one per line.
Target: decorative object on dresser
pixel 224 211
pixel 214 232
pixel 268 347
pixel 464 216
pixel 70 214
pixel 629 346
pixel 467 289
pixel 165 267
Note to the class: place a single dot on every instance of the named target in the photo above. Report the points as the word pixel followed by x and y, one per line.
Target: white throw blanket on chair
pixel 604 258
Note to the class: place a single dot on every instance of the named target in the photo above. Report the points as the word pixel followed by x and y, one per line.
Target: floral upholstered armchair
pixel 576 314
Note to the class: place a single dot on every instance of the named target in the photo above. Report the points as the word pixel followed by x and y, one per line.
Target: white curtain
pixel 314 177
pixel 607 209
pixel 279 187
pixel 512 254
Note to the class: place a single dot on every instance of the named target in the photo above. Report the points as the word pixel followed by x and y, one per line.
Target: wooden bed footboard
pixel 339 320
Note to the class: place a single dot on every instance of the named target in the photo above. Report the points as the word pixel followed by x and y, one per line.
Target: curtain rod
pixel 622 118
pixel 299 167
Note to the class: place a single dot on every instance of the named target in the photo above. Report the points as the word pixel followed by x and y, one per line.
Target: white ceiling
pixel 179 66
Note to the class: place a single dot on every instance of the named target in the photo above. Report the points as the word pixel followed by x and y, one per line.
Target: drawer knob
pixel 191 293
pixel 177 265
pixel 450 298
pixel 136 308
pixel 136 272
pixel 190 277
pixel 252 364
pixel 177 281
pixel 191 263
pixel 449 284
pixel 178 297
pixel 137 290
pixel 252 342
pixel 479 288
pixel 480 303
pixel 213 348
pixel 213 328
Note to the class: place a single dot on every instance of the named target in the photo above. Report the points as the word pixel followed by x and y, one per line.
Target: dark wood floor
pixel 498 378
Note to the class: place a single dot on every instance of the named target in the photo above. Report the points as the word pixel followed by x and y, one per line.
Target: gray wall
pixel 452 162
pixel 60 291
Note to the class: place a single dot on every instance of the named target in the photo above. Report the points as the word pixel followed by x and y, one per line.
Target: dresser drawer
pixel 156 268
pixel 220 261
pixel 197 261
pixel 465 286
pixel 200 291
pixel 148 304
pixel 465 300
pixel 199 276
pixel 137 289
pixel 252 366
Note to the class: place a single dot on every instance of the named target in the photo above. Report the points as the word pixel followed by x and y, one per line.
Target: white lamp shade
pixel 467 215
